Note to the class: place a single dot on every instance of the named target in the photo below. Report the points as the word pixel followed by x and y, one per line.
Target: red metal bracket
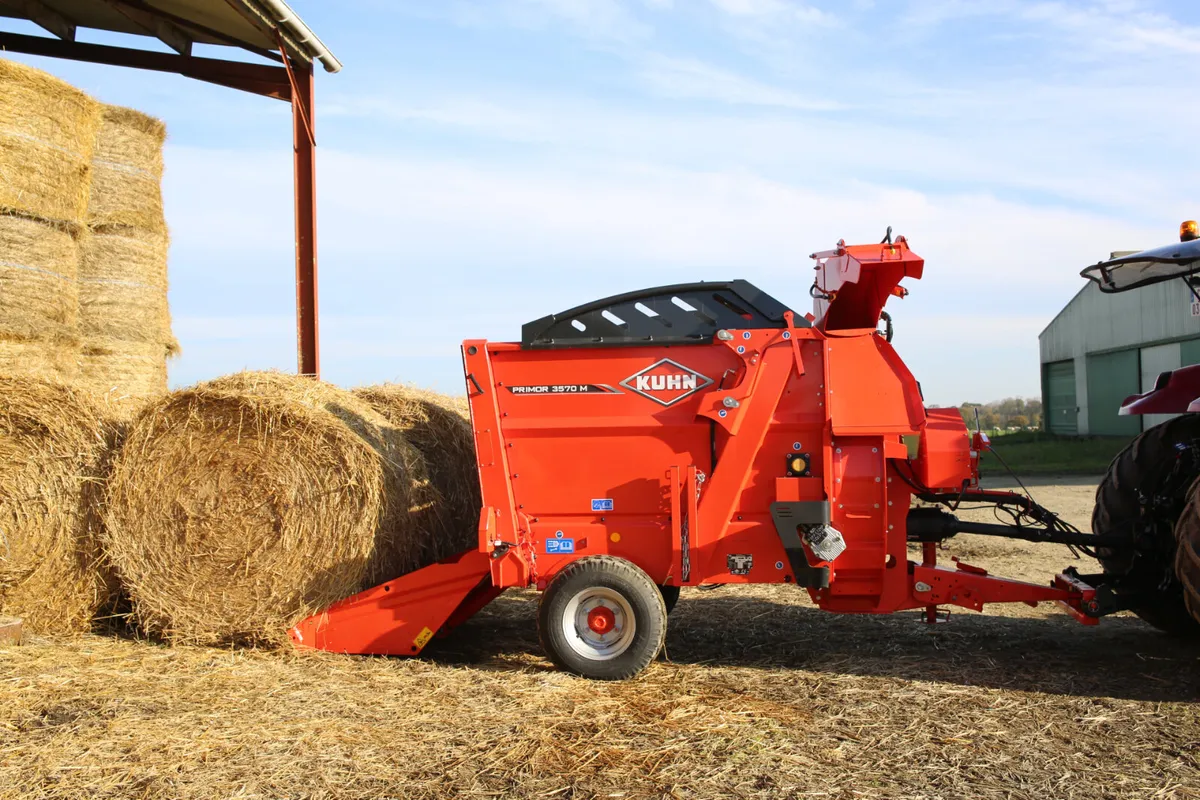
pixel 968 588
pixel 788 319
pixel 299 98
pixel 1082 597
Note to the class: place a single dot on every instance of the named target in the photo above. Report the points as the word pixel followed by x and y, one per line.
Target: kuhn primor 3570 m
pixel 705 433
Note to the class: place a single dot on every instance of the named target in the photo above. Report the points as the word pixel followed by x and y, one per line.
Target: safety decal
pixel 666 382
pixel 564 388
pixel 605 504
pixel 554 546
pixel 422 638
pixel 739 563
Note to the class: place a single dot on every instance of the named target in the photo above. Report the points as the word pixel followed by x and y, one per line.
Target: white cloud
pixel 596 20
pixel 1098 30
pixel 779 10
pixel 1071 144
pixel 693 79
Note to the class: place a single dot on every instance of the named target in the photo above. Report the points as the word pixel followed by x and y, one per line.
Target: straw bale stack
pixel 127 170
pixel 47 133
pixel 241 505
pixel 124 321
pixel 123 287
pixel 36 360
pixel 54 448
pixel 439 427
pixel 38 298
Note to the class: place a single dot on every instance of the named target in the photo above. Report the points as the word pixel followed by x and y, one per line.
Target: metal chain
pixel 686 560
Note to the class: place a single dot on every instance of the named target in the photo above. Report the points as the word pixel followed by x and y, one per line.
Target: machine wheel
pixel 1187 557
pixel 670 596
pixel 1146 489
pixel 602 617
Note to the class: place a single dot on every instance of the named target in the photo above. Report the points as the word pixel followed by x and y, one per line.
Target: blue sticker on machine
pixel 602 505
pixel 560 545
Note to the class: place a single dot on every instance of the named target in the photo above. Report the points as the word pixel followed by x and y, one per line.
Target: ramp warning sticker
pixel 422 638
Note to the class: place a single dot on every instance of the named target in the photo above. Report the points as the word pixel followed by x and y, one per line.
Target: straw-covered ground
pixel 761 695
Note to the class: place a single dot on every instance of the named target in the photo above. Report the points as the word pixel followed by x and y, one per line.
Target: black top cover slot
pixel 687 313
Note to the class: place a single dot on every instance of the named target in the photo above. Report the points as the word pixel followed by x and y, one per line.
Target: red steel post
pixel 304 149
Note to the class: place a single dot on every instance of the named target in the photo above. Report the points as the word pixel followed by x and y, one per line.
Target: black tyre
pixel 1145 491
pixel 603 618
pixel 670 596
pixel 1187 557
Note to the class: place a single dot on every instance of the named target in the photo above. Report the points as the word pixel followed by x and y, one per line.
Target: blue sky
pixel 485 163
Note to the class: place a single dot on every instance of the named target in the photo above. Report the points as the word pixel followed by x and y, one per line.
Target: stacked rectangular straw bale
pixel 47 133
pixel 124 321
pixel 83 241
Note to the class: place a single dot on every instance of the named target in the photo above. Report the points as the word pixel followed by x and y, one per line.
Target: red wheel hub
pixel 601 620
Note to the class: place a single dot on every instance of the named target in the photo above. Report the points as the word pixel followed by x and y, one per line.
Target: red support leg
pixel 304 149
pixel 929 559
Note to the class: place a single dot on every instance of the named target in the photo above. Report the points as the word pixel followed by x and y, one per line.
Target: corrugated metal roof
pixel 249 24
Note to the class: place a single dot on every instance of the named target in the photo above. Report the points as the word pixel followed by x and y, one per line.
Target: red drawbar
pixel 401 616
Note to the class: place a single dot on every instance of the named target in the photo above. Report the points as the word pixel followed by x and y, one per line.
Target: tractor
pixel 707 433
pixel 1148 490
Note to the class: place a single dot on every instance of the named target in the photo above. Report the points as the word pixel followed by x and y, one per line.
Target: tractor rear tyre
pixel 602 618
pixel 1145 490
pixel 670 596
pixel 1187 558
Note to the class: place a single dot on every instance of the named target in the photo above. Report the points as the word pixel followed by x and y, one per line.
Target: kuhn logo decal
pixel 666 382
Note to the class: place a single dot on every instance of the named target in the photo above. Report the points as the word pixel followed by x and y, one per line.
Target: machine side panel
pixel 870 389
pixel 590 437
pixel 796 429
pixel 944 458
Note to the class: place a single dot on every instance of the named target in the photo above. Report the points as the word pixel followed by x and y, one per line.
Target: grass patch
pixel 1037 453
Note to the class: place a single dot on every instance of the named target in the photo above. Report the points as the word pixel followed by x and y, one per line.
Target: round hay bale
pixel 127 168
pixel 241 505
pixel 123 287
pixel 439 427
pixel 47 133
pixel 38 267
pixel 54 447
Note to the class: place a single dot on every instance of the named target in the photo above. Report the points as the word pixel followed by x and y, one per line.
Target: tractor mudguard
pixel 1174 392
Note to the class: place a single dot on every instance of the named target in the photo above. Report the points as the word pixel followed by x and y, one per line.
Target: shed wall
pixel 1095 322
pixel 1113 342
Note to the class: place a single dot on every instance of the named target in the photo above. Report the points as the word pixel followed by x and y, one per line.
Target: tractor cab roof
pixel 1178 260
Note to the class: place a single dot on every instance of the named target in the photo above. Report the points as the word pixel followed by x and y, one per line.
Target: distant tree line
pixel 1011 412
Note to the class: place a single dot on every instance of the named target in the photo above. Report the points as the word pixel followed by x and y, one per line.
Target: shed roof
pixel 258 26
